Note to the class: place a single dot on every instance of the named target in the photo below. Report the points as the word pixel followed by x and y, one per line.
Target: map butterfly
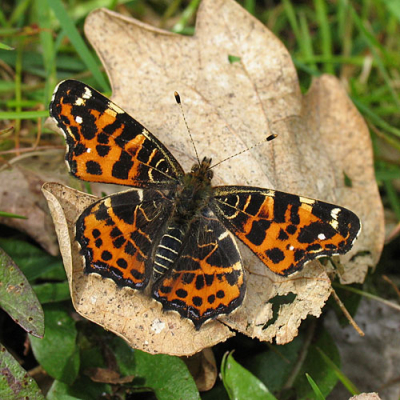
pixel 174 230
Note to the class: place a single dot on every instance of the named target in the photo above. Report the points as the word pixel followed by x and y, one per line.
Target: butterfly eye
pixel 210 174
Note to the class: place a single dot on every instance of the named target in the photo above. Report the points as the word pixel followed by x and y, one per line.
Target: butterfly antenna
pixel 178 100
pixel 267 139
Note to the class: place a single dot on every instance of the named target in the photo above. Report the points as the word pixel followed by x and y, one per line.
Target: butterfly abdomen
pixel 167 250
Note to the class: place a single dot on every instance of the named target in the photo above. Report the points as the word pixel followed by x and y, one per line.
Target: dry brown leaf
pixel 366 396
pixel 203 368
pixel 20 193
pixel 230 106
pixel 106 375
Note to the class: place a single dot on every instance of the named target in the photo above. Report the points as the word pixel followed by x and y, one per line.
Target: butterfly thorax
pixel 194 192
pixel 191 197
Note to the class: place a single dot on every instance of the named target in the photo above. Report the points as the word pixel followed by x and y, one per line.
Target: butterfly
pixel 174 230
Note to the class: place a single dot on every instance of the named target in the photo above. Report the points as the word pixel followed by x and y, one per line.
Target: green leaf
pixel 52 292
pixel 314 365
pixel 83 389
pixel 18 299
pixel 15 383
pixel 32 260
pixel 57 352
pixel 273 367
pixel 92 356
pixel 240 383
pixel 166 375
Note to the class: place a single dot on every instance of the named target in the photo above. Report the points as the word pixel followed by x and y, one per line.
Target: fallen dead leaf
pixel 20 193
pixel 366 396
pixel 229 106
pixel 105 375
pixel 203 368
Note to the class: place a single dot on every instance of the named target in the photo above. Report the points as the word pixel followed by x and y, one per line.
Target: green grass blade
pixel 18 12
pixel 5 47
pixel 341 376
pixel 324 27
pixel 250 6
pixel 23 114
pixel 318 394
pixel 47 44
pixel 180 26
pixel 11 215
pixel 3 21
pixel 77 41
pixel 291 15
pixel 306 42
pixel 393 198
pixel 367 295
pixel 394 7
pixel 373 45
pixel 378 121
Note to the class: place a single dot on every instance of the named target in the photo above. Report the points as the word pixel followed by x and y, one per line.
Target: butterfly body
pixel 174 231
pixel 191 196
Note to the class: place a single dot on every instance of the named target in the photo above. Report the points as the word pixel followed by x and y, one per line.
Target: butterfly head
pixel 202 171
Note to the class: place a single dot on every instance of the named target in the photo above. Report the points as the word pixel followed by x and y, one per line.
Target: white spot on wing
pixel 321 236
pixel 115 108
pixel 335 213
pixel 87 94
pixel 334 224
pixel 306 200
pixel 88 150
pixel 80 102
pixel 78 119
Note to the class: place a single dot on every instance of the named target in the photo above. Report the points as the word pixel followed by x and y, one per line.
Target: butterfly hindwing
pixel 207 278
pixel 117 235
pixel 107 145
pixel 284 230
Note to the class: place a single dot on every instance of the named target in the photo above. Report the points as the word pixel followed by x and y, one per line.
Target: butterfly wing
pixel 116 235
pixel 207 277
pixel 107 145
pixel 284 230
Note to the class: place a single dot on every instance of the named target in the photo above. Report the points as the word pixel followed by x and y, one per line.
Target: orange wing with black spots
pixel 107 145
pixel 174 228
pixel 117 235
pixel 207 279
pixel 284 230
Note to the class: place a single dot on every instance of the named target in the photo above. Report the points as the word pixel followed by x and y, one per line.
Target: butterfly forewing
pixel 117 235
pixel 284 230
pixel 207 279
pixel 105 144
